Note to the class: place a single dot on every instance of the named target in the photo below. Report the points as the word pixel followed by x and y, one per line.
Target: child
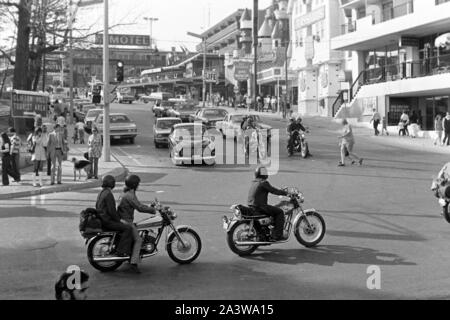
pixel 79 126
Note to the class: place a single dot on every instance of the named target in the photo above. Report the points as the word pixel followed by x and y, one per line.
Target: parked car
pixel 91 116
pixel 124 97
pixel 162 129
pixel 183 111
pixel 189 143
pixel 209 116
pixel 121 127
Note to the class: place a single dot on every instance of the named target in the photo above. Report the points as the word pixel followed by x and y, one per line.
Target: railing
pixel 398 11
pixel 348 27
pixel 359 82
pixel 338 104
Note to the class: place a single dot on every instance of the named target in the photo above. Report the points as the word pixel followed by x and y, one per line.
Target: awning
pixel 443 40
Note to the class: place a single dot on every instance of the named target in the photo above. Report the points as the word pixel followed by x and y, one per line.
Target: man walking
pixel 16 143
pixel 376 119
pixel 56 148
pixel 446 125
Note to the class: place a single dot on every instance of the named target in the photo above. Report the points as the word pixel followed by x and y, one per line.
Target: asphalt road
pixel 381 214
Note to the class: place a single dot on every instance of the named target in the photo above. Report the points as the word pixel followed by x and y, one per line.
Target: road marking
pixel 131 158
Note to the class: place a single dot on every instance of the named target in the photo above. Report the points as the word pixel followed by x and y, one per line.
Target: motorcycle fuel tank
pixel 153 222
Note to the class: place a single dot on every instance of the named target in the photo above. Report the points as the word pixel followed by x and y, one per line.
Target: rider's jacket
pixel 107 205
pixel 295 126
pixel 128 203
pixel 259 192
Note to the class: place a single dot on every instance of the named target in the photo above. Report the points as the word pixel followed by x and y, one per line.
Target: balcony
pixel 348 27
pixel 398 11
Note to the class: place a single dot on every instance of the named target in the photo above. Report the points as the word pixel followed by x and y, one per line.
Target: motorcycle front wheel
pixel 310 229
pixel 99 248
pixel 239 232
pixel 305 150
pixel 184 253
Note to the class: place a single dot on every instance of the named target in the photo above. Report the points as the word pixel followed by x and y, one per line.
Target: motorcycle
pixel 249 229
pixel 300 145
pixel 183 244
pixel 441 190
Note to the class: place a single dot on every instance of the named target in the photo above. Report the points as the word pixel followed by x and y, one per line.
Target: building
pixel 400 59
pixel 320 69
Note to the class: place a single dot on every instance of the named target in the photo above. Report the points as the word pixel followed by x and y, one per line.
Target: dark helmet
pixel 109 182
pixel 261 173
pixel 132 182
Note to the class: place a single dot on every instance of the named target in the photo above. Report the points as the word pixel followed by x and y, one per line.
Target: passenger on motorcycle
pixel 128 203
pixel 111 221
pixel 257 199
pixel 294 125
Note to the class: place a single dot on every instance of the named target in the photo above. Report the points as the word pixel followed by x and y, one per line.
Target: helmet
pixel 299 119
pixel 109 182
pixel 132 182
pixel 261 172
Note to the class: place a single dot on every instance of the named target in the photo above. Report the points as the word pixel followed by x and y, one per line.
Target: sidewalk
pixel 26 189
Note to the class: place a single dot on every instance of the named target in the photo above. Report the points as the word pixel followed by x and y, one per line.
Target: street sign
pixel 242 71
pixel 26 104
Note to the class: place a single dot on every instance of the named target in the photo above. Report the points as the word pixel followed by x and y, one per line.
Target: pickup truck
pixel 124 97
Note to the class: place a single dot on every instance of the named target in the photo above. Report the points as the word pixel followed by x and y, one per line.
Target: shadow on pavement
pixel 330 255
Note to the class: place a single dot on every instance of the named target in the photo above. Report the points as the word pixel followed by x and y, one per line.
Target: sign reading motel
pixel 124 40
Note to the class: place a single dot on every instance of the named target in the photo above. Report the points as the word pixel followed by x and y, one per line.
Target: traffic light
pixel 119 71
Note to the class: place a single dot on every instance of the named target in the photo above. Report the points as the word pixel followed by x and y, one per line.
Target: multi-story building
pixel 321 69
pixel 400 59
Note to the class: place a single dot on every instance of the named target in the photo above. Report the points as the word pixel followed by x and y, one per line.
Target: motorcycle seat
pixel 252 213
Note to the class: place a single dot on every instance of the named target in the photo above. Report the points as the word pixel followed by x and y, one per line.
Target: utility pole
pixel 106 110
pixel 204 62
pixel 255 49
pixel 72 17
pixel 151 20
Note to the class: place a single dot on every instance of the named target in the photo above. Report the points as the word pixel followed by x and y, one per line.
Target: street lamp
pixel 151 20
pixel 204 63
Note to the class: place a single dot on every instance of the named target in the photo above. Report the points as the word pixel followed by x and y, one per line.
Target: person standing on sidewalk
pixel 56 147
pixel 16 143
pixel 5 150
pixel 438 128
pixel 38 156
pixel 405 120
pixel 376 119
pixel 347 144
pixel 45 138
pixel 446 126
pixel 95 152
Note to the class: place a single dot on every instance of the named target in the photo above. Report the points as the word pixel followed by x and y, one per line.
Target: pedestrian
pixel 45 138
pixel 446 127
pixel 438 129
pixel 79 127
pixel 37 121
pixel 67 289
pixel 5 150
pixel 38 157
pixel 404 121
pixel 347 144
pixel 16 143
pixel 56 148
pixel 376 119
pixel 384 129
pixel 273 102
pixel 95 152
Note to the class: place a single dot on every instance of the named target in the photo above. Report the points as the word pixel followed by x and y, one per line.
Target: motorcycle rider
pixel 294 125
pixel 257 199
pixel 128 203
pixel 111 221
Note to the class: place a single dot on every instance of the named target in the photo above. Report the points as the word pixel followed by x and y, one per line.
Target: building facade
pixel 400 59
pixel 320 68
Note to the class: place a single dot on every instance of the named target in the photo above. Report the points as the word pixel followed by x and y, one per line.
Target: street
pixel 381 214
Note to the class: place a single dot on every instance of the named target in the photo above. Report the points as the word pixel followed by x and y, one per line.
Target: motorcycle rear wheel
pixel 97 243
pixel 176 250
pixel 235 235
pixel 310 237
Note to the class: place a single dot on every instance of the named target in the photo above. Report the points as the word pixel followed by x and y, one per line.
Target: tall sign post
pixel 106 110
pixel 255 49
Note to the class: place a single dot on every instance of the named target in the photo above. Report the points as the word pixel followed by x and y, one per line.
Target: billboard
pixel 28 104
pixel 124 40
pixel 242 71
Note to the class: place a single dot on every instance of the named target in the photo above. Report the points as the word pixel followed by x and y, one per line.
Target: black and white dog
pixel 79 165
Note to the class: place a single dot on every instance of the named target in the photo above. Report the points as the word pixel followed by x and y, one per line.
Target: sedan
pixel 184 111
pixel 91 116
pixel 121 127
pixel 162 129
pixel 209 116
pixel 190 144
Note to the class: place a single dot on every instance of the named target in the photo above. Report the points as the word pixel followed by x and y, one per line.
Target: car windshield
pixel 94 113
pixel 215 113
pixel 116 119
pixel 237 119
pixel 167 104
pixel 188 131
pixel 167 124
pixel 256 118
pixel 186 107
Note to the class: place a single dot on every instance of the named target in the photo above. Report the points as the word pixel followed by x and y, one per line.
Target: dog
pixel 79 165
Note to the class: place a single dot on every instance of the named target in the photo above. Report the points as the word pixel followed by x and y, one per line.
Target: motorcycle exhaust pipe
pixel 114 259
pixel 250 243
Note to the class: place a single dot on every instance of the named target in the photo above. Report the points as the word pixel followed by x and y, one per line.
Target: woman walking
pixel 38 156
pixel 439 129
pixel 95 152
pixel 347 144
pixel 5 151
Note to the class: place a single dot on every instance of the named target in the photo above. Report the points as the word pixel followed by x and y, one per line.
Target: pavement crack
pixel 50 246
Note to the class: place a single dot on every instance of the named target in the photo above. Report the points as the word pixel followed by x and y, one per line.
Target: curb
pixel 118 173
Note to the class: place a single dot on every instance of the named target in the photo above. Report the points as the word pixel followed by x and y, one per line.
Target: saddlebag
pixel 90 223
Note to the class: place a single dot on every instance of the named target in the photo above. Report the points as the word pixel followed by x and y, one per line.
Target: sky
pixel 176 17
